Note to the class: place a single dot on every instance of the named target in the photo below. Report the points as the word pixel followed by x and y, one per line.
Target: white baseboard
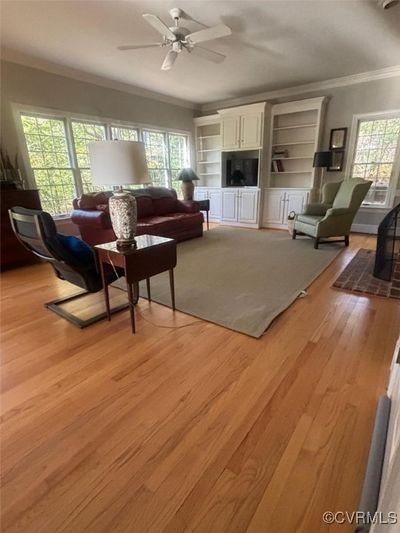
pixel 365 228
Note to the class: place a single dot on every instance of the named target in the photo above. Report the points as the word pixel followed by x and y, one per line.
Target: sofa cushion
pixel 144 206
pixel 163 206
pixel 91 200
pixel 309 219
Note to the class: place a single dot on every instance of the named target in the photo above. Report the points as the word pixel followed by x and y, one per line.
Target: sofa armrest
pixel 93 219
pixel 187 206
pixel 315 209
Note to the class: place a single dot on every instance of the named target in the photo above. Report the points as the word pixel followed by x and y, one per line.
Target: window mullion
pixel 168 160
pixel 73 157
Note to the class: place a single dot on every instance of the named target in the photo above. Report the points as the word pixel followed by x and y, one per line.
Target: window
pixel 84 133
pixel 178 156
pixel 123 133
pixel 376 151
pixel 57 147
pixel 46 142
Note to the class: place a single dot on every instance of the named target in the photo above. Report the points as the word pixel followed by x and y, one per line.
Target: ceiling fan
pixel 179 38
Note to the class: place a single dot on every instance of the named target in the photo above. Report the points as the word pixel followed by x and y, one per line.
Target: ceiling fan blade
pixel 169 60
pixel 215 57
pixel 138 46
pixel 210 33
pixel 159 25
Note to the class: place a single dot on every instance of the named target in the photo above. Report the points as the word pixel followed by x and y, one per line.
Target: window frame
pixel 68 117
pixel 394 178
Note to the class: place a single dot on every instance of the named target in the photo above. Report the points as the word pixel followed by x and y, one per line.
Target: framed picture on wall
pixel 338 139
pixel 337 161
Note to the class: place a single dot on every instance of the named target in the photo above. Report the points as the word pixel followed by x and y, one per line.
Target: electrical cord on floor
pixel 139 311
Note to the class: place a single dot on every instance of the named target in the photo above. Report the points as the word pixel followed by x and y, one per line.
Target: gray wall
pixel 29 86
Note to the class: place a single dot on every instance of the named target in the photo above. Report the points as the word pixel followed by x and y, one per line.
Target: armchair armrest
pixel 187 206
pixel 337 211
pixel 316 209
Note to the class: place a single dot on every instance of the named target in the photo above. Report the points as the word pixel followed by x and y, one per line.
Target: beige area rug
pixel 241 278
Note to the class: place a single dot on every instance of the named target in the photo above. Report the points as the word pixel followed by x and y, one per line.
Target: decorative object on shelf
pixel 337 161
pixel 120 163
pixel 337 139
pixel 10 174
pixel 322 160
pixel 187 176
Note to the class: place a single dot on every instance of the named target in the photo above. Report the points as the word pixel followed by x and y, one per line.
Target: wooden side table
pixel 204 205
pixel 152 255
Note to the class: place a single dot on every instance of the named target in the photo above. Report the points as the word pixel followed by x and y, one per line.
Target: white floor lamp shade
pixel 119 163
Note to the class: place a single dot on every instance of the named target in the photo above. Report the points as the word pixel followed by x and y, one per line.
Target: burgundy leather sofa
pixel 159 213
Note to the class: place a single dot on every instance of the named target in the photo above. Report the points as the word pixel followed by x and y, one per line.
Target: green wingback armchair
pixel 334 216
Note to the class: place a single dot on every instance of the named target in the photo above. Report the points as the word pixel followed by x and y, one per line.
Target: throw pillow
pixel 81 253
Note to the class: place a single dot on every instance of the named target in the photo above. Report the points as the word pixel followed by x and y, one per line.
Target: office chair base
pixel 54 306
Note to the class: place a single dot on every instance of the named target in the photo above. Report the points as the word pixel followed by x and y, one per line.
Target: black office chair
pixel 37 232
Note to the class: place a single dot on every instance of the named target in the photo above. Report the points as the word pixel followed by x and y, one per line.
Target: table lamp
pixel 187 176
pixel 119 163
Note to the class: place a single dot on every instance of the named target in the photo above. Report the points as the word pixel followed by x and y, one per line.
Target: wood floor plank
pixel 192 429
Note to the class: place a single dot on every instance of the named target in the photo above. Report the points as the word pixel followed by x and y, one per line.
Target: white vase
pixel 123 214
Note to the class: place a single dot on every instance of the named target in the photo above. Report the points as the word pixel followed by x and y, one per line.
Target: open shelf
pixel 295 127
pixel 293 172
pixel 208 162
pixel 289 158
pixel 293 143
pixel 209 173
pixel 210 150
pixel 209 136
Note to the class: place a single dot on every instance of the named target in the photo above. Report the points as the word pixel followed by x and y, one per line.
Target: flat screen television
pixel 241 172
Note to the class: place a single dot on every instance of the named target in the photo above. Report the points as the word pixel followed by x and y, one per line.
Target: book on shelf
pixel 280 154
pixel 277 166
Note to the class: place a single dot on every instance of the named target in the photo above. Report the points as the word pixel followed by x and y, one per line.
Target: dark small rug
pixel 358 277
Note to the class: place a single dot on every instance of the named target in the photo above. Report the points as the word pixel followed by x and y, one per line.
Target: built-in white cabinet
pixel 278 203
pixel 215 197
pixel 208 150
pixel 240 206
pixel 242 127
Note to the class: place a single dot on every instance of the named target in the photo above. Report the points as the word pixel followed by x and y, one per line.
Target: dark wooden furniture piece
pixel 13 253
pixel 151 255
pixel 204 205
pixel 36 231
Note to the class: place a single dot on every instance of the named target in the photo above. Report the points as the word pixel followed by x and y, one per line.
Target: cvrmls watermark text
pixel 359 517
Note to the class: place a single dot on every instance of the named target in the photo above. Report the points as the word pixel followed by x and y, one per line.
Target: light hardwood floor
pixel 193 429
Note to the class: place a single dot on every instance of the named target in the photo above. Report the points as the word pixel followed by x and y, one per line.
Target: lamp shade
pixel 187 174
pixel 118 162
pixel 323 159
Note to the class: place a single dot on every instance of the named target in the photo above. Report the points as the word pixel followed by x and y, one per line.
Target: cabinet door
pixel 230 132
pixel 200 194
pixel 274 207
pixel 295 201
pixel 250 130
pixel 215 204
pixel 229 206
pixel 248 207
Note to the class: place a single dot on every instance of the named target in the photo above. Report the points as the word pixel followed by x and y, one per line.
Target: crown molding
pixel 363 77
pixel 13 56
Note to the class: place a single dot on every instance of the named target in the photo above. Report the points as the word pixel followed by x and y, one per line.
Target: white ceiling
pixel 275 44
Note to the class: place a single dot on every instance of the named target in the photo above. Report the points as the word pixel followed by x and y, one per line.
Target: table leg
pixel 105 289
pixel 148 289
pixel 208 225
pixel 172 287
pixel 131 306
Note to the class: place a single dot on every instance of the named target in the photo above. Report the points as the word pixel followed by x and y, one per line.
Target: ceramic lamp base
pixel 187 189
pixel 123 214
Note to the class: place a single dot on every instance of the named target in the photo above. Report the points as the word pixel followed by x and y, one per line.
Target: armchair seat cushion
pixel 309 219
